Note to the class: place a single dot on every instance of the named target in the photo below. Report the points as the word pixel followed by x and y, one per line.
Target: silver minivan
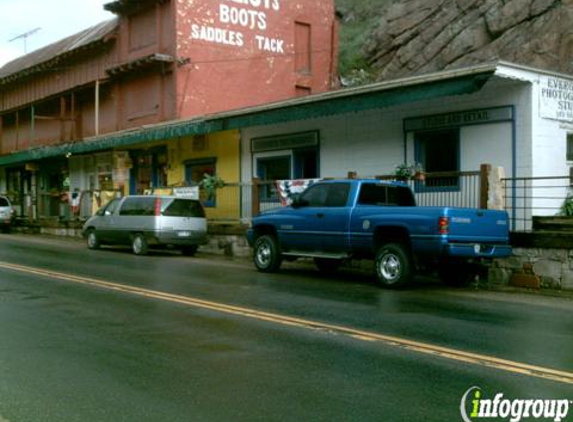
pixel 6 213
pixel 148 221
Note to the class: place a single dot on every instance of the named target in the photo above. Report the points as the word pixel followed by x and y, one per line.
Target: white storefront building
pixel 509 116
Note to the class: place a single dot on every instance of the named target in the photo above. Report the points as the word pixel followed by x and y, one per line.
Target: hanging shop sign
pixel 556 99
pixel 461 118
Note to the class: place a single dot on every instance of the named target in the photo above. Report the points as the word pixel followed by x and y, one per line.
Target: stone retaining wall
pixel 535 268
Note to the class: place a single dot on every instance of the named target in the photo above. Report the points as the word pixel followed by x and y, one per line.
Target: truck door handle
pixel 320 215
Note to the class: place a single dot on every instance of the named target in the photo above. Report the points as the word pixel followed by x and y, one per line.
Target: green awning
pixel 366 100
pixel 322 105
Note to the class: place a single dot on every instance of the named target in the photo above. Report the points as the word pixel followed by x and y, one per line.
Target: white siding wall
pixel 549 149
pixel 549 143
pixel 372 142
pixel 486 144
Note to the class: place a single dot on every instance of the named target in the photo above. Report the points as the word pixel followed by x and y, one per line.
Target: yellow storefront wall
pixel 224 147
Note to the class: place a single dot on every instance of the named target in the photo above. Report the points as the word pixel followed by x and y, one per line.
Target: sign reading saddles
pixel 241 23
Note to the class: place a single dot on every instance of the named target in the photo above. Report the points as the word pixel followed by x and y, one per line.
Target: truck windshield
pixel 385 195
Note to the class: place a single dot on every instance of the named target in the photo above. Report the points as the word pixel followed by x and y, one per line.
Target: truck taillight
pixel 157 207
pixel 444 225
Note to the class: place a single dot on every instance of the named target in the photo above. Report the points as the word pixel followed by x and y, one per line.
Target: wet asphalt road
pixel 76 352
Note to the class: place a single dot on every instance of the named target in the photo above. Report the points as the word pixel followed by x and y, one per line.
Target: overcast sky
pixel 56 18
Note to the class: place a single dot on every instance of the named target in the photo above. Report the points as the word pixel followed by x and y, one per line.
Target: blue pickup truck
pixel 337 220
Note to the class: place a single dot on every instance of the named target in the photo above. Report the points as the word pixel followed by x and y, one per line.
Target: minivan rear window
pixel 138 207
pixel 184 208
pixel 4 202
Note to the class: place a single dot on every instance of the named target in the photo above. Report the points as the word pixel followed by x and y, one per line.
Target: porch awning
pixel 381 95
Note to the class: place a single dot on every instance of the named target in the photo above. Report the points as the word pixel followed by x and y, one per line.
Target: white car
pixel 6 213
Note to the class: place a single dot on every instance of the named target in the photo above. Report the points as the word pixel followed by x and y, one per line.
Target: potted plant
pixel 211 182
pixel 406 171
pixel 566 209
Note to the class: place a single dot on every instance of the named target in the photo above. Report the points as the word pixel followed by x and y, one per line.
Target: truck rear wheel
pixel 393 265
pixel 266 254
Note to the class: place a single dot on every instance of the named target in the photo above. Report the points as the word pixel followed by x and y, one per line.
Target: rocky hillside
pixel 384 39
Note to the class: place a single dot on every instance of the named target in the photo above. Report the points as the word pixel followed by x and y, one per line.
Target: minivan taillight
pixel 157 207
pixel 443 225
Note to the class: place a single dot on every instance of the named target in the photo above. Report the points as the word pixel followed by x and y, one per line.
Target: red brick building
pixel 159 60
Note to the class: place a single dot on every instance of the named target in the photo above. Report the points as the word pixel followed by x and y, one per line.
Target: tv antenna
pixel 24 37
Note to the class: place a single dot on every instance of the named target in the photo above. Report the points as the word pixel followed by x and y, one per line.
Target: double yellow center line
pixel 419 347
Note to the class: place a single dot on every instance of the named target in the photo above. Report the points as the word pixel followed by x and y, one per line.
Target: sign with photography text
pixel 239 24
pixel 556 99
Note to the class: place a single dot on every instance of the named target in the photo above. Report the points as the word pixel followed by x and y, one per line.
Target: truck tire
pixel 266 254
pixel 139 245
pixel 393 265
pixel 327 265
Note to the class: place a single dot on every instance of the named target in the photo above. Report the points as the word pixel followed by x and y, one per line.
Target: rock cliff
pixel 419 36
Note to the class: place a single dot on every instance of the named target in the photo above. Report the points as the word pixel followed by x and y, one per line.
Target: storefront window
pixel 271 169
pixel 149 170
pixel 438 152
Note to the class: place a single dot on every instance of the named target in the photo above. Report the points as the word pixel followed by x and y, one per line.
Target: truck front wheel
pixel 393 265
pixel 266 254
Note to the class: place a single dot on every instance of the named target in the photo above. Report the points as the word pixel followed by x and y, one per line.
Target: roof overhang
pixel 381 95
pixel 123 7
pixel 141 63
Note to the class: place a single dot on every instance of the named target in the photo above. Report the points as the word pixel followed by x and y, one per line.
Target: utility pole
pixel 24 37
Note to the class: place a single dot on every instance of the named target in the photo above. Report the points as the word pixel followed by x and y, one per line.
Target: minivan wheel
pixel 393 265
pixel 139 245
pixel 92 240
pixel 266 255
pixel 189 250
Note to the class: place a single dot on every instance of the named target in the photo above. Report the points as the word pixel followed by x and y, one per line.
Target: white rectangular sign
pixel 188 192
pixel 556 99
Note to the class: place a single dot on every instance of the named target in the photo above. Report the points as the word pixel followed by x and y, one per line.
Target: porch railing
pixel 528 197
pixel 449 189
pixel 238 202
